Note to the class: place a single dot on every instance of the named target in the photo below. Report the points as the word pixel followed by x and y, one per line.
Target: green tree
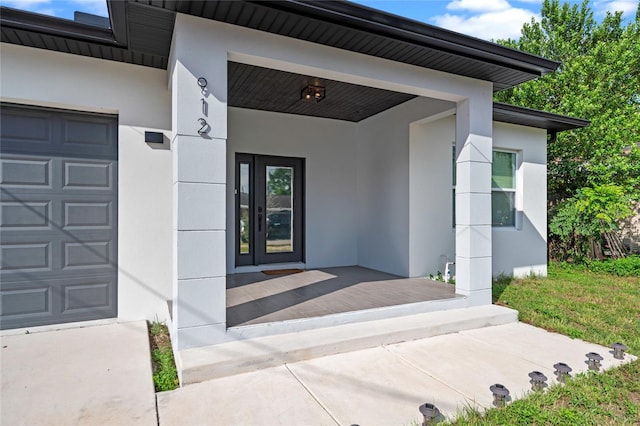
pixel 582 220
pixel 279 181
pixel 598 79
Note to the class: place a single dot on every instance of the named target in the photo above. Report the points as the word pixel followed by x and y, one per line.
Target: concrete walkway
pixel 97 375
pixel 102 375
pixel 384 385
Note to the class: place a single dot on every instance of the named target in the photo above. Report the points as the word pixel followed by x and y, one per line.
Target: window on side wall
pixel 503 189
pixel 453 181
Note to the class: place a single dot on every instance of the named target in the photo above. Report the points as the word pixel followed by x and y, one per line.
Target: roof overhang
pixel 141 33
pixel 553 123
pixel 34 23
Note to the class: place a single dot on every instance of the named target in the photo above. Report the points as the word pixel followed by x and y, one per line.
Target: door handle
pixel 259 222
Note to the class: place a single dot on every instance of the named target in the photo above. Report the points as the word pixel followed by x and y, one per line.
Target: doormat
pixel 282 271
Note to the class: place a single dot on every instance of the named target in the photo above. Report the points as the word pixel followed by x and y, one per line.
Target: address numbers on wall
pixel 204 127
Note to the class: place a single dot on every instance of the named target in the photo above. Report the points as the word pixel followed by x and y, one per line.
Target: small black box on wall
pixel 153 137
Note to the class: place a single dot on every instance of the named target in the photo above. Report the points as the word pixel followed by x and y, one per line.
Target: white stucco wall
pixel 432 235
pixel 384 184
pixel 329 150
pixel 515 251
pixel 140 98
pixel 523 250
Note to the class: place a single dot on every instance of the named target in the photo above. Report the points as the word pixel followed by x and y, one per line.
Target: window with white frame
pixel 503 189
pixel 453 182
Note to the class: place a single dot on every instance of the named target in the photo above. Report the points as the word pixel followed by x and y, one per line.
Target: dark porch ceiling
pixel 267 89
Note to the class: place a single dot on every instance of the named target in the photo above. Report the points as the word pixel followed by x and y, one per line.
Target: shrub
pixel 578 224
pixel 626 267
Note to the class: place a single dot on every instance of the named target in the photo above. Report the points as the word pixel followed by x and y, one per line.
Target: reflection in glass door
pixel 244 216
pixel 269 209
pixel 279 209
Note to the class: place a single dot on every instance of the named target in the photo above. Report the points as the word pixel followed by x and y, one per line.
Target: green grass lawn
pixel 596 307
pixel 165 375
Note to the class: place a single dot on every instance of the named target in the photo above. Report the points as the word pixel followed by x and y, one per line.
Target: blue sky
pixel 486 19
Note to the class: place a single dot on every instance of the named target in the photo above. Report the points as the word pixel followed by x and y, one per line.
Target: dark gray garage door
pixel 58 223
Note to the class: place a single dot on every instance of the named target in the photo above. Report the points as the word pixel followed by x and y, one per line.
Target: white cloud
pixel 46 11
pixel 489 25
pixel 628 7
pixel 43 7
pixel 25 4
pixel 478 5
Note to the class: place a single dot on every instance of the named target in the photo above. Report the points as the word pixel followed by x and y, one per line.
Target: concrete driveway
pixel 91 376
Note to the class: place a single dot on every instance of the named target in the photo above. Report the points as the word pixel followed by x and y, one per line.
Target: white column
pixel 199 182
pixel 473 199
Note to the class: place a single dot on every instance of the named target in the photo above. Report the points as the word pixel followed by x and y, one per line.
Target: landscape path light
pixel 618 350
pixel 500 394
pixel 538 381
pixel 562 371
pixel 430 413
pixel 593 361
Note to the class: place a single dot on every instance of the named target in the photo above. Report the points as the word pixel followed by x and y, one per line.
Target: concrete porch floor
pixel 256 298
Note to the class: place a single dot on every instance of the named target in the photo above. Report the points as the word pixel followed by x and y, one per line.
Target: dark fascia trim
pixel 393 26
pixel 22 20
pixel 536 118
pixel 118 16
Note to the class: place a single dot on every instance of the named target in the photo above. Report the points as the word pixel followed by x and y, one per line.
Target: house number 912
pixel 204 126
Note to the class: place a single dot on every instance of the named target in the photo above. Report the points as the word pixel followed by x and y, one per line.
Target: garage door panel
pixel 82 255
pixel 25 215
pixel 87 175
pixel 58 217
pixel 50 132
pixel 87 214
pixel 27 300
pixel 87 296
pixel 27 127
pixel 86 133
pixel 23 170
pixel 32 303
pixel 26 257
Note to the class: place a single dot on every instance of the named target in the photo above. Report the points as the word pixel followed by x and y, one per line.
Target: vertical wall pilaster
pixel 473 198
pixel 199 188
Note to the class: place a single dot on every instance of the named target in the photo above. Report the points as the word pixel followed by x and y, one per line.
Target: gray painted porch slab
pixel 257 298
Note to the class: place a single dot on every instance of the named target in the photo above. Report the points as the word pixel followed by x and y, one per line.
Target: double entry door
pixel 269 209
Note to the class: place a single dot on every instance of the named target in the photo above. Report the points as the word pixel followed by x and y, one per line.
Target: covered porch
pixel 261 298
pixel 375 156
pixel 337 190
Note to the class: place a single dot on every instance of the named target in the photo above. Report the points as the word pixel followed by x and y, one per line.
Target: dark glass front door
pixel 269 209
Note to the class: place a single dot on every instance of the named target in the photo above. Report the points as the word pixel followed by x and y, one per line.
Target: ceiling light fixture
pixel 313 93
